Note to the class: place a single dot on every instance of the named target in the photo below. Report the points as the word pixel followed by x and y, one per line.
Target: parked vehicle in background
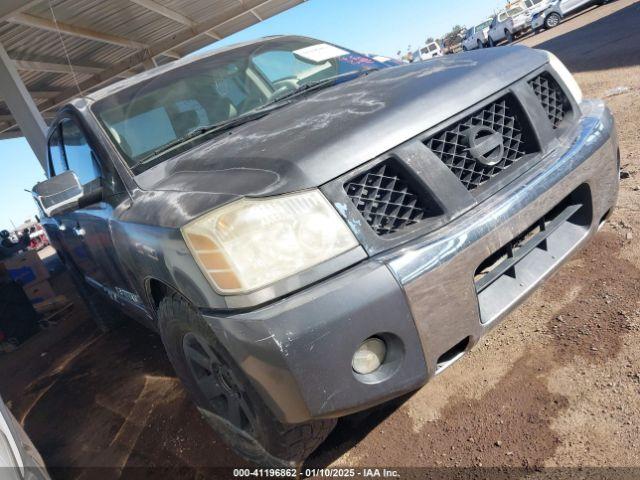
pixel 427 52
pixel 548 18
pixel 453 45
pixel 555 12
pixel 534 6
pixel 37 235
pixel 313 233
pixel 477 37
pixel 19 459
pixel 507 25
pixel 431 50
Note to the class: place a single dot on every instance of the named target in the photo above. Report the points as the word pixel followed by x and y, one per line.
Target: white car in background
pixel 535 6
pixel 551 16
pixel 507 25
pixel 19 459
pixel 431 50
pixel 476 37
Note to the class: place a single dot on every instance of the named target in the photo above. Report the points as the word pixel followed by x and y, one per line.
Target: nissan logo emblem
pixel 485 144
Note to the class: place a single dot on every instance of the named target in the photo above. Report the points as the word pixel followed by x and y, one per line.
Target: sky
pixel 380 27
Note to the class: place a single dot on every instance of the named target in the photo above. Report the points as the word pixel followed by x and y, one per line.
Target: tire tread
pixel 280 444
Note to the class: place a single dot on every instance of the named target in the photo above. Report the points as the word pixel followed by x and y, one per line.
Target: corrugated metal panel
pixel 121 18
pixel 273 8
pixel 235 25
pixel 201 10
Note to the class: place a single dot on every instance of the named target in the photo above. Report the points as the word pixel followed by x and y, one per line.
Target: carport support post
pixel 149 63
pixel 22 107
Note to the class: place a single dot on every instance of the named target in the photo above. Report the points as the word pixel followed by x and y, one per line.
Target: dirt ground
pixel 556 385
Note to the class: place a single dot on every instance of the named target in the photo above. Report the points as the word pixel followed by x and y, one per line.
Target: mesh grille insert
pixel 503 116
pixel 552 98
pixel 387 199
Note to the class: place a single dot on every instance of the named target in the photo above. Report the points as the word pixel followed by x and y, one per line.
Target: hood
pixel 333 131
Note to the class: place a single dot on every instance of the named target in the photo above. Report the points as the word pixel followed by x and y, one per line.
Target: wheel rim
pixel 552 21
pixel 217 383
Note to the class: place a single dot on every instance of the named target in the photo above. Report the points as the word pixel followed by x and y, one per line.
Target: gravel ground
pixel 556 385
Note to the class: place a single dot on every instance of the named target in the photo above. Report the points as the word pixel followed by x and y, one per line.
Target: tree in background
pixel 453 37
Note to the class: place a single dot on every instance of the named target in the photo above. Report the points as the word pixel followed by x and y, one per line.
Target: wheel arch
pixel 156 290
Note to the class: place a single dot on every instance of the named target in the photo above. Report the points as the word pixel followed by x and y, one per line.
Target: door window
pixel 57 161
pixel 80 157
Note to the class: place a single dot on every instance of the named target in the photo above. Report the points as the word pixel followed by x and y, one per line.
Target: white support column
pixel 22 106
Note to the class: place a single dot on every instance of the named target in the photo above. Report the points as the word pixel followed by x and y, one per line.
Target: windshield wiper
pixel 218 127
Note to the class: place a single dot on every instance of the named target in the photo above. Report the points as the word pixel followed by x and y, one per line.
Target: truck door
pixel 568 6
pixel 88 229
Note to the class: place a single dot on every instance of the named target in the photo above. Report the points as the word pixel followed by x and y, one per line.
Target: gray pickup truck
pixel 313 233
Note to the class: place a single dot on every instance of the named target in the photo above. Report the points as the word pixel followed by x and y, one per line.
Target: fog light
pixel 369 356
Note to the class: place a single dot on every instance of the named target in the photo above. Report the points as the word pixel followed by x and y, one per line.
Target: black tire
pixel 224 395
pixel 491 42
pixel 552 20
pixel 508 36
pixel 480 45
pixel 464 48
pixel 106 316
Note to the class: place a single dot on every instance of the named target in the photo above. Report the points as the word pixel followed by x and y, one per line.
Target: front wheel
pixel 552 20
pixel 225 397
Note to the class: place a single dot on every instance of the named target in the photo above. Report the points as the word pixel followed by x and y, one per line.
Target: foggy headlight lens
pixel 566 77
pixel 369 356
pixel 251 243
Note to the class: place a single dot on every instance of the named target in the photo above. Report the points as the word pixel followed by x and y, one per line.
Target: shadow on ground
pixel 589 47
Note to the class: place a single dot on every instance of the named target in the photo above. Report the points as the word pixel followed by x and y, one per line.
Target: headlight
pixel 252 243
pixel 566 77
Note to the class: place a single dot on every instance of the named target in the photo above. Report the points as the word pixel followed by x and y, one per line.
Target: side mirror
pixel 58 194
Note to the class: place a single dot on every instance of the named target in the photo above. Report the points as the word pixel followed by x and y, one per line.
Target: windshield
pixel 514 11
pixel 144 118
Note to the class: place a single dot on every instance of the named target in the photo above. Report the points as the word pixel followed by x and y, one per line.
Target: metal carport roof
pixel 60 48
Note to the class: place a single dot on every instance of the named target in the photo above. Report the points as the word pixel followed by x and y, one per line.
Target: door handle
pixel 79 231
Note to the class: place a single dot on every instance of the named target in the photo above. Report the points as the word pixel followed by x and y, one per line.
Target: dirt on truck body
pixel 556 385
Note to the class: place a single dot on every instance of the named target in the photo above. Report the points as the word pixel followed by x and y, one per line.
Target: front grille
pixel 388 201
pixel 552 98
pixel 504 116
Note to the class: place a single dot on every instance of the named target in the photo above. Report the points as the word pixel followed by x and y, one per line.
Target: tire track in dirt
pixel 594 325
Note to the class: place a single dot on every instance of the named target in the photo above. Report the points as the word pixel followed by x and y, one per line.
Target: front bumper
pixel 423 297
